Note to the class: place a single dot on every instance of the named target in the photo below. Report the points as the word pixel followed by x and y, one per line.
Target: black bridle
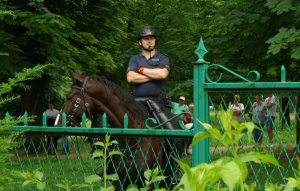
pixel 71 118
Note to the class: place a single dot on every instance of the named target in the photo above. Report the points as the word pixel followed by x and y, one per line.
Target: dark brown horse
pixel 97 95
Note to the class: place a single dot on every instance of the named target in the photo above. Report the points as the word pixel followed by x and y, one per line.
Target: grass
pixel 56 168
pixel 77 165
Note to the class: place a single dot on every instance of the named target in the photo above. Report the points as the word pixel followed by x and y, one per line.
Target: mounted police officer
pixel 147 72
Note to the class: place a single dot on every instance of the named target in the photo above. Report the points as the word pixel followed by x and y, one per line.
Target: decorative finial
pixel 201 51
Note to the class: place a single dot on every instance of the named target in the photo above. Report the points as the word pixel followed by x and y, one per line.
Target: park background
pixel 98 38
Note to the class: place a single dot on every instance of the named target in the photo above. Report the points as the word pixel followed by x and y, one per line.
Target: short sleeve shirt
pixel 52 113
pixel 152 88
pixel 259 115
pixel 240 108
pixel 271 111
pixel 177 109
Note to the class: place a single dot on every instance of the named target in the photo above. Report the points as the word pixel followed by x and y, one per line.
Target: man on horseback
pixel 147 72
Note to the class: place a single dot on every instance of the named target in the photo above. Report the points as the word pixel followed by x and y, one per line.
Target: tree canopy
pixel 98 38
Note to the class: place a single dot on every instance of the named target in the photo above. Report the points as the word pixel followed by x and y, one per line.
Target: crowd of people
pixel 262 115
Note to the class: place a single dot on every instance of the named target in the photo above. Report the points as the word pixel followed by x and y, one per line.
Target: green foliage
pixel 7 139
pixel 98 37
pixel 293 183
pixel 288 36
pixel 152 177
pixel 103 153
pixel 231 170
pixel 36 178
pixel 283 40
pixel 280 6
pixel 66 185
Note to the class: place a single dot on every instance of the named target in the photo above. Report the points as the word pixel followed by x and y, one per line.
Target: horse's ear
pixel 76 77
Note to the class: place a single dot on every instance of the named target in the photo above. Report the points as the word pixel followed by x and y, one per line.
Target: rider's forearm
pixel 134 77
pixel 156 74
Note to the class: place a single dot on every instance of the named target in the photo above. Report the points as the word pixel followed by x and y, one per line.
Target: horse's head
pixel 78 101
pixel 96 96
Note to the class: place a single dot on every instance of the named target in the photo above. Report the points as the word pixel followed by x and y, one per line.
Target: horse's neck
pixel 116 108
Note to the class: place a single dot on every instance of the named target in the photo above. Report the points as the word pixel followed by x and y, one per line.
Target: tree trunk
pixel 35 104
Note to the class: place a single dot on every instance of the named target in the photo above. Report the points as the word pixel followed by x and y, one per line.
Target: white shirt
pixel 52 113
pixel 240 108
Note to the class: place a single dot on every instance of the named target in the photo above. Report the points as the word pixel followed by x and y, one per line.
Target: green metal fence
pixel 210 94
pixel 210 89
pixel 77 163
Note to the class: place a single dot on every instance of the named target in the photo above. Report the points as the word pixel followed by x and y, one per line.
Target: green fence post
pixel 201 149
pixel 283 74
pixel 25 118
pixel 64 119
pixel 104 120
pixel 125 121
pixel 7 116
pixel 83 120
pixel 44 119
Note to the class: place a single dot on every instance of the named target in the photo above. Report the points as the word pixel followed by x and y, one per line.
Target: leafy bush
pixel 7 138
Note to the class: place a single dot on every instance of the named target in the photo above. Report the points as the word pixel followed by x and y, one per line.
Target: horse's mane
pixel 133 106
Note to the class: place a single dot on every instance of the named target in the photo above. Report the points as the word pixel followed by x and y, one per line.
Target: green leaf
pixel 92 178
pixel 107 138
pixel 97 153
pixel 293 183
pixel 280 6
pixel 114 142
pixel 295 53
pixel 38 175
pixel 200 136
pixel 132 189
pixel 99 143
pixel 115 153
pixel 251 187
pixel 41 185
pixel 112 177
pixel 158 178
pixel 61 186
pixel 273 187
pixel 110 188
pixel 257 158
pixel 26 182
pixel 231 174
pixel 148 174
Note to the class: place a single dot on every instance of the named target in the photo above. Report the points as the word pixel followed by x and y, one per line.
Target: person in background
pixel 179 107
pixel 191 108
pixel 188 117
pixel 237 109
pixel 259 119
pixel 270 110
pixel 237 112
pixel 51 114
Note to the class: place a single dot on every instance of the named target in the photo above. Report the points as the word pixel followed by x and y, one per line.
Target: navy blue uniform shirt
pixel 152 88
